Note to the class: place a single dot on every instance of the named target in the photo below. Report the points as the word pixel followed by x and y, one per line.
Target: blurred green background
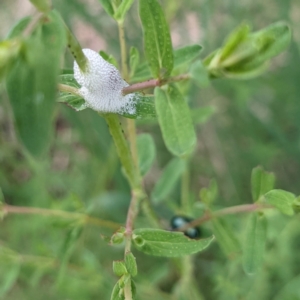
pixel 256 122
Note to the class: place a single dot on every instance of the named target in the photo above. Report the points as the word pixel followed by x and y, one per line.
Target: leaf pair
pixel 245 55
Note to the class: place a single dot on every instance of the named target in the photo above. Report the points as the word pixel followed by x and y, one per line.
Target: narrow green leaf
pixel 272 40
pixel 175 121
pixel 159 242
pixel 168 180
pixel 32 84
pixel 109 58
pixel 9 275
pixel 235 38
pixel 130 263
pixel 118 291
pixel 122 10
pixel 254 245
pixel 107 7
pixel 67 249
pixel 201 115
pixel 282 200
pixel 200 74
pixel 157 40
pixel 186 54
pixel 74 100
pixel 225 237
pixel 134 60
pixel 119 268
pixel 18 29
pixel 261 182
pixel 146 152
pixel 145 108
pixel 42 5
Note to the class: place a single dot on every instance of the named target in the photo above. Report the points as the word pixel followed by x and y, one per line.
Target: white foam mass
pixel 102 84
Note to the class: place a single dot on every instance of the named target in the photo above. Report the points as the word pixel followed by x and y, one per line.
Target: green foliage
pixel 254 245
pixel 168 180
pixel 225 237
pixel 146 151
pixel 42 5
pixel 261 182
pixel 175 121
pixel 159 242
pixel 157 41
pixel 186 54
pixel 78 192
pixel 282 200
pixel 122 10
pixel 32 91
pixel 244 55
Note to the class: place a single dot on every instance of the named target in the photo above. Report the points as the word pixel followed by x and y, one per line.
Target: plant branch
pixel 123 149
pixel 123 50
pixel 10 209
pixel 76 50
pixel 32 24
pixel 226 211
pixel 68 89
pixel 152 83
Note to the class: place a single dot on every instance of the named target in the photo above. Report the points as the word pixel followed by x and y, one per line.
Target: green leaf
pixel 209 195
pixel 18 29
pixel 118 237
pixel 159 242
pixel 199 74
pixel 168 180
pixel 282 200
pixel 122 10
pixel 107 7
pixel 43 6
pixel 186 54
pixel 9 51
pixel 130 263
pixel 255 240
pixel 109 58
pixel 145 108
pixel 201 115
pixel 134 60
pixel 225 237
pixel 146 152
pixel 118 291
pixel 239 35
pixel 119 268
pixel 175 121
pixel 9 275
pixel 261 182
pixel 141 73
pixel 74 100
pixel 32 84
pixel 272 40
pixel 157 40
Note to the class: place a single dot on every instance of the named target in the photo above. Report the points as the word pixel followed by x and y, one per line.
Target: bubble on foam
pixel 102 84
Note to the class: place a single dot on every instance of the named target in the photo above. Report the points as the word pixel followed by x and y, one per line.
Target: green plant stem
pixel 152 83
pixel 246 208
pixel 123 50
pixel 131 128
pixel 68 89
pixel 76 51
pixel 9 209
pixel 123 149
pixel 185 185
